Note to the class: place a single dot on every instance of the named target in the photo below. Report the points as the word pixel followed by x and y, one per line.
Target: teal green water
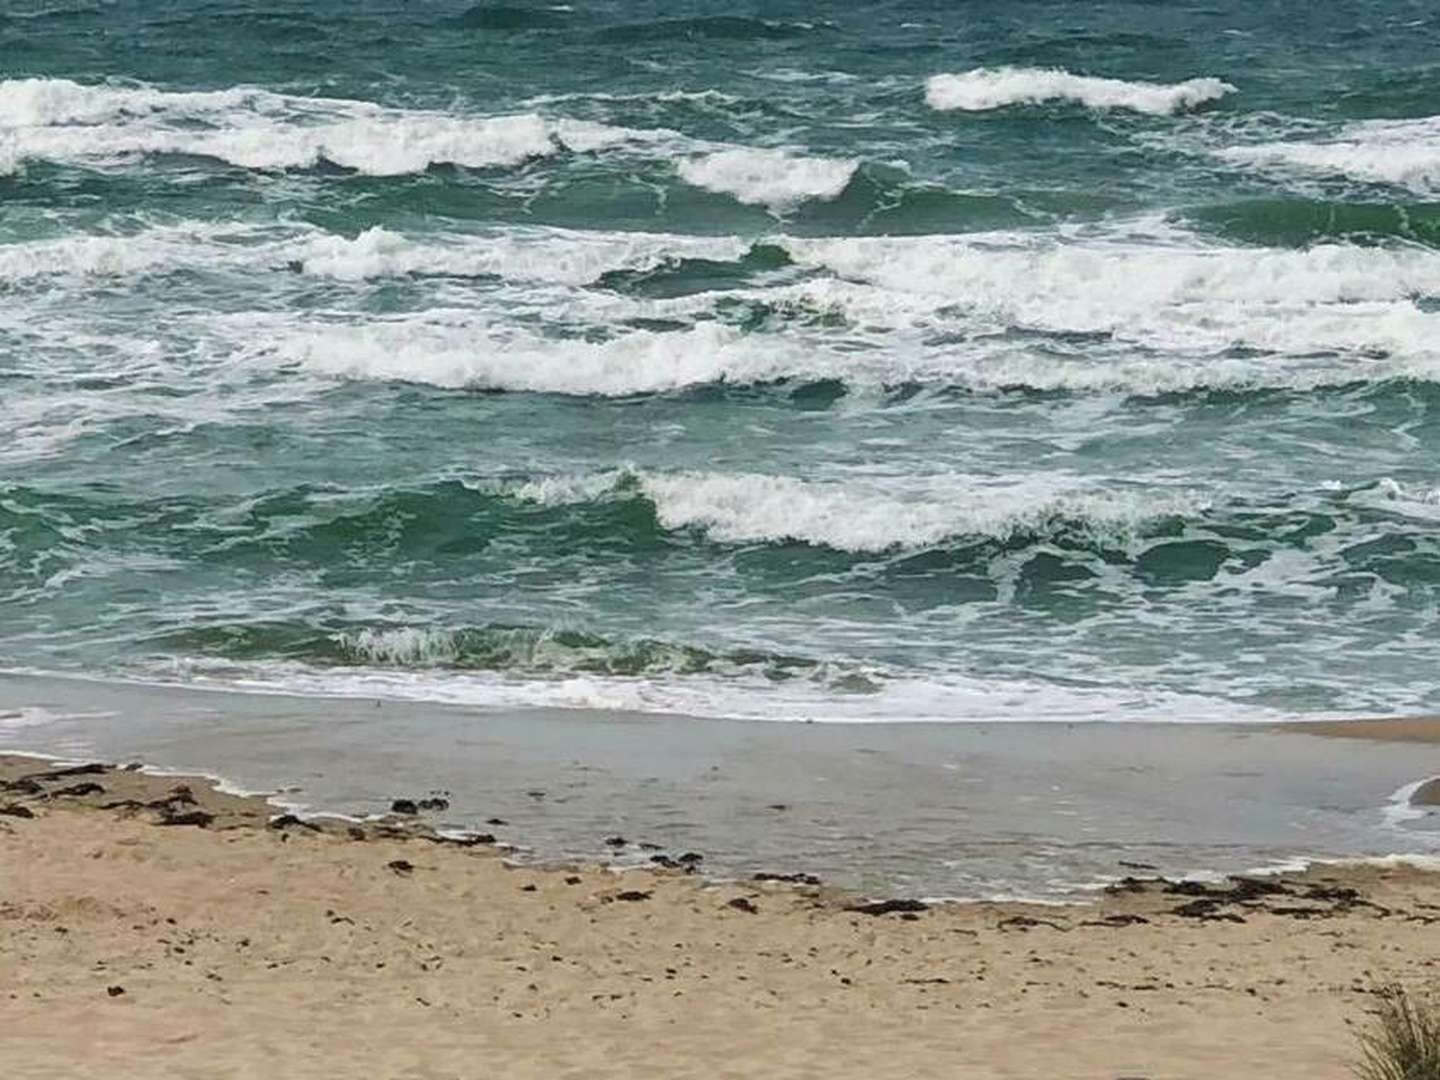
pixel 796 361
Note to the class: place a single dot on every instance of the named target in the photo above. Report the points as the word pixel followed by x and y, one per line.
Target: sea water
pixel 786 361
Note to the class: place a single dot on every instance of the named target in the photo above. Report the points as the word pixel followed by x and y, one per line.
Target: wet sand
pixel 1418 729
pixel 932 810
pixel 180 932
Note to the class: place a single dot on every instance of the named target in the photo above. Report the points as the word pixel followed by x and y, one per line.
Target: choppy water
pixel 832 361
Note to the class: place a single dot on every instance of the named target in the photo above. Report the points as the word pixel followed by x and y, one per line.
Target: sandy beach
pixel 151 926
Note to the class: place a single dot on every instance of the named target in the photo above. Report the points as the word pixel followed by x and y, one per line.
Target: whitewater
pixel 832 365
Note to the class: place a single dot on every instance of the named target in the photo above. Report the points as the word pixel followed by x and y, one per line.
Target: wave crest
pixel 772 178
pixel 994 88
pixel 1401 153
pixel 456 352
pixel 860 517
pixel 559 256
pixel 60 120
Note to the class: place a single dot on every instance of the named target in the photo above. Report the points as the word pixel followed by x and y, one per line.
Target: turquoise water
pixel 824 361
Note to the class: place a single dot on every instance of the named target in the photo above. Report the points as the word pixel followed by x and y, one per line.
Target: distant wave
pixel 956 311
pixel 1160 309
pixel 1186 299
pixel 61 120
pixel 1403 153
pixel 509 17
pixel 121 255
pixel 720 27
pixel 995 88
pixel 770 178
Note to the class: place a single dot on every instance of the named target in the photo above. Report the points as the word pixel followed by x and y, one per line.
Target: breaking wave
pixel 561 256
pixel 1187 299
pixel 770 178
pixel 1401 153
pixel 556 650
pixel 995 88
pixel 859 516
pixel 61 120
pixel 456 351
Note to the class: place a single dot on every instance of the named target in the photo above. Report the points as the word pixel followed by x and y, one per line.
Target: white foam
pixel 403 646
pixel 1400 809
pixel 567 490
pixel 28 716
pixel 1181 299
pixel 42 102
pixel 560 256
pixel 772 178
pixel 1405 153
pixel 1166 314
pixel 994 88
pixel 108 255
pixel 56 119
pixel 861 515
pixel 1421 503
pixel 950 699
pixel 453 349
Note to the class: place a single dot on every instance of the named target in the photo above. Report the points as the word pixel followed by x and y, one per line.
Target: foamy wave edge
pixel 62 120
pixel 1402 153
pixel 983 89
pixel 860 516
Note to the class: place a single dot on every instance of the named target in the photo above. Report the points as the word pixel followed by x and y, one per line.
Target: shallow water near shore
pixel 1041 811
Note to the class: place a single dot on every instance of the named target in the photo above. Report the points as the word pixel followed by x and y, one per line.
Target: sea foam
pixel 770 178
pixel 1404 153
pixel 454 349
pixel 858 515
pixel 994 88
pixel 60 120
pixel 559 256
pixel 112 255
pixel 1161 295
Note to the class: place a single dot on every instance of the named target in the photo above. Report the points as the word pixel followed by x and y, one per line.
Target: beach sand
pixel 1409 729
pixel 232 947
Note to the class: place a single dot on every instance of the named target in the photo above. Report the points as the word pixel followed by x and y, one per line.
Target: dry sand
pixel 233 948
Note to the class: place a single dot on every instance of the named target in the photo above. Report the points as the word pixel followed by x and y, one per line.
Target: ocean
pixel 901 361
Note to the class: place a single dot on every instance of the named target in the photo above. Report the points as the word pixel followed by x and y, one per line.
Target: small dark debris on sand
pixel 789 879
pixel 289 821
pixel 197 818
pixel 887 907
pixel 1025 922
pixel 1118 920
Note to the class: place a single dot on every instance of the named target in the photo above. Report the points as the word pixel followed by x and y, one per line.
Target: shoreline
pixel 1044 811
pixel 205 946
pixel 258 808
